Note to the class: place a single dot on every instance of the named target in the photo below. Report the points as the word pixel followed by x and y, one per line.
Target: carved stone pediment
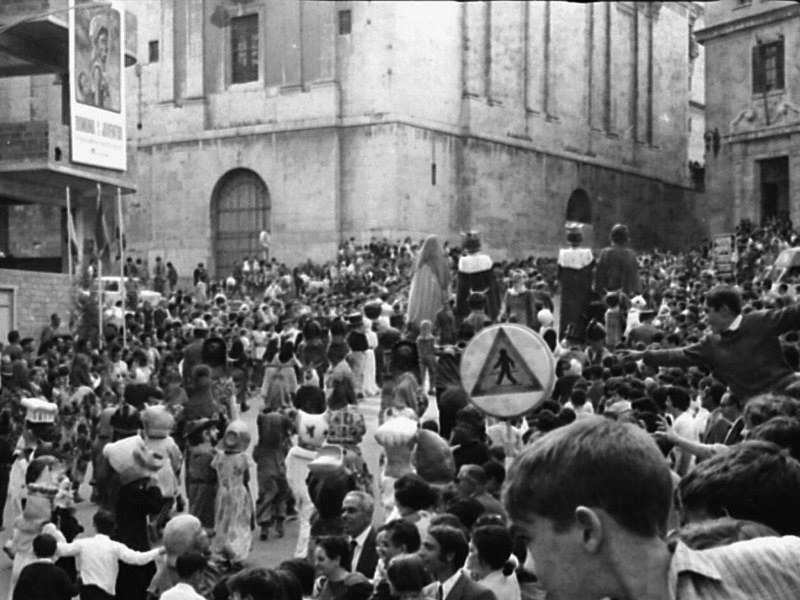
pixel 772 110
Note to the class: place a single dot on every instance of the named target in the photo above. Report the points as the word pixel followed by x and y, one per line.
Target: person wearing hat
pixel 233 507
pixel 575 271
pixel 475 273
pixel 134 499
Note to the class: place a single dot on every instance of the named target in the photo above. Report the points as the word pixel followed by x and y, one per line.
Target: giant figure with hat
pixel 575 271
pixel 475 274
pixel 134 498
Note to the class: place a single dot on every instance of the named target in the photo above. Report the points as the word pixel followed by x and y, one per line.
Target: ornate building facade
pixel 753 111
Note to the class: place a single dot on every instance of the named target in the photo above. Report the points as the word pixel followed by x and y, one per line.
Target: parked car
pixel 112 293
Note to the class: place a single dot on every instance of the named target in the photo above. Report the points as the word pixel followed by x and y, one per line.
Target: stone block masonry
pixel 36 297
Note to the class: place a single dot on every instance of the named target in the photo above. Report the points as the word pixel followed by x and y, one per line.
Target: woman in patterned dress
pixel 233 510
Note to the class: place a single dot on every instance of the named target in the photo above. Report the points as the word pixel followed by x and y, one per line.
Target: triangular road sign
pixel 505 371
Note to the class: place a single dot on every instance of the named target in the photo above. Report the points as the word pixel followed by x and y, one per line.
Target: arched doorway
pixel 240 210
pixel 579 207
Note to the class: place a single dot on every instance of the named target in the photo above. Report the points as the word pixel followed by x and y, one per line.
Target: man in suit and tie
pixel 444 549
pixel 357 509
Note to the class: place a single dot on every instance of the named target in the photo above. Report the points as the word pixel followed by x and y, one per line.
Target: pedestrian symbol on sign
pixel 505 370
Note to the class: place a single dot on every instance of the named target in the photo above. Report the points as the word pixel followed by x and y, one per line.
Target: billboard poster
pixel 97 84
pixel 724 253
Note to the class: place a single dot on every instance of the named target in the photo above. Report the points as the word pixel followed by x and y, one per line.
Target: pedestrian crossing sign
pixel 504 371
pixel 507 370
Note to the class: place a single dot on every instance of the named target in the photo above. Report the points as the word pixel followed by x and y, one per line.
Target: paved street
pixel 268 553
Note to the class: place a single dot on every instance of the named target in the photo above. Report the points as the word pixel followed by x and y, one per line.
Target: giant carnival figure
pixel 475 274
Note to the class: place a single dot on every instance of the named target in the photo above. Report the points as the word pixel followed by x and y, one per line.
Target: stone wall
pixel 425 118
pixel 37 296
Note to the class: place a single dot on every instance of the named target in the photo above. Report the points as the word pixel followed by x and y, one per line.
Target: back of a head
pixel 44 545
pixel 593 462
pixel 781 430
pixel 407 573
pixel 679 396
pixel 412 491
pixel 303 570
pixel 291 587
pixel 619 234
pixel 104 522
pixel 256 582
pixel 493 543
pixel 755 480
pixel 724 295
pixel 712 533
pixel 214 352
pixel 189 563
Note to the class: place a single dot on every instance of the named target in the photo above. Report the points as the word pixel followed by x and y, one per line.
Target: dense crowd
pixel 663 463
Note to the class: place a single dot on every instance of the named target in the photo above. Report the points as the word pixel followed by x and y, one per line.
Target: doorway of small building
pixel 774 175
pixel 240 211
pixel 579 210
pixel 7 320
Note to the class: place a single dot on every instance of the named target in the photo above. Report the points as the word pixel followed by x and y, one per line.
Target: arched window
pixel 240 211
pixel 579 207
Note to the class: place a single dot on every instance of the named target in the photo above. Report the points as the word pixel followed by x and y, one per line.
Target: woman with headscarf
pixel 575 265
pixel 430 284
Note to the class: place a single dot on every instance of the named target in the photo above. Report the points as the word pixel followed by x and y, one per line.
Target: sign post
pixel 507 370
pixel 723 253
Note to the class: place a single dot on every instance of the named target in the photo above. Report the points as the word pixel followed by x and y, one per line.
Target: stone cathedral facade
pixel 319 121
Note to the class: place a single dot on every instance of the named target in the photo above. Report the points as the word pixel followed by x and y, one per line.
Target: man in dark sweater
pixel 43 580
pixel 742 351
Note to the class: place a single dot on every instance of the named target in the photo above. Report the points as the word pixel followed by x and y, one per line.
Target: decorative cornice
pixel 763 133
pixel 748 22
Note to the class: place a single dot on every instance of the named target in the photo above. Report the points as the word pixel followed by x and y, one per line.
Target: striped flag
pixel 76 247
pixel 101 238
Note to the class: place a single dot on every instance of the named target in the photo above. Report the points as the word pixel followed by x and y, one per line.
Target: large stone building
pixel 753 110
pixel 317 121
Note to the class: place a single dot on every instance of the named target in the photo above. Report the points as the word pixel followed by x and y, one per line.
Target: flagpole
pixel 69 235
pixel 100 303
pixel 100 275
pixel 122 265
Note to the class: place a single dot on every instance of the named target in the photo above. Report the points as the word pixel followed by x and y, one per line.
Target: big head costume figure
pixel 475 274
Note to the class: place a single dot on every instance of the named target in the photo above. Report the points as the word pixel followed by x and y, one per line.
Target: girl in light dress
pixel 233 508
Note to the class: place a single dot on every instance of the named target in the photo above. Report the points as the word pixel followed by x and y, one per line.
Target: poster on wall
pixel 724 254
pixel 97 84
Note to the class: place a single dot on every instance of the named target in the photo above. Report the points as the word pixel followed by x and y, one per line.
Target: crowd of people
pixel 662 465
